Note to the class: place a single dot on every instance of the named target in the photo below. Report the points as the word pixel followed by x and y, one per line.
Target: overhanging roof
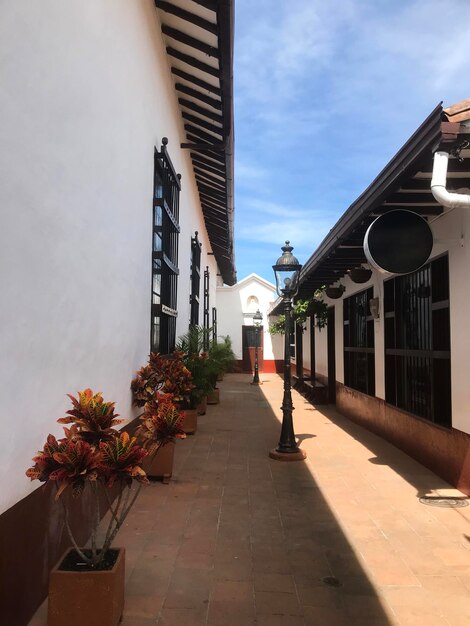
pixel 404 183
pixel 198 35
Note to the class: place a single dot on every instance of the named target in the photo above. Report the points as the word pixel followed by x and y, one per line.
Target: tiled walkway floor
pixel 237 539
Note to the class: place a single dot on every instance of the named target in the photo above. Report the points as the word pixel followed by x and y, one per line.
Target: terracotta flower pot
pixel 202 406
pixel 160 465
pixel 190 421
pixel 94 598
pixel 213 397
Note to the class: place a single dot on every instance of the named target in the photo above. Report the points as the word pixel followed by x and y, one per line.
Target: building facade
pixel 394 353
pixel 116 194
pixel 236 307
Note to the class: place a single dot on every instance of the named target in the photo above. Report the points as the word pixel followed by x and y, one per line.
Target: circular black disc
pixel 398 242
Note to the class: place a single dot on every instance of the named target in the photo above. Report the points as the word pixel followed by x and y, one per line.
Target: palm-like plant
pixel 198 362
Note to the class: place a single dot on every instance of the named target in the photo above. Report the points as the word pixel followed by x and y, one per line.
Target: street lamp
pixel 257 319
pixel 287 271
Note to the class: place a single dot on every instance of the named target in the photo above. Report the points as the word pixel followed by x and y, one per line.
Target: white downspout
pixel 448 199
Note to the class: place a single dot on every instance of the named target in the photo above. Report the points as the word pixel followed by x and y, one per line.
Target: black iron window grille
pixel 206 308
pixel 417 342
pixel 214 324
pixel 195 279
pixel 359 352
pixel 165 271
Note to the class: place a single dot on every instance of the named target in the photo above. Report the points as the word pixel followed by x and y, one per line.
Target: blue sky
pixel 325 94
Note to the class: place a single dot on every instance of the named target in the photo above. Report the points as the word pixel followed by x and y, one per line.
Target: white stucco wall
pixel 235 310
pixel 447 231
pixel 86 95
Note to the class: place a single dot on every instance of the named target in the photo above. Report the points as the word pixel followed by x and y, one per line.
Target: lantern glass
pixel 287 272
pixel 257 318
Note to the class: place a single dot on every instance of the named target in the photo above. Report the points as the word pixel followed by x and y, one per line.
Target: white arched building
pixel 236 307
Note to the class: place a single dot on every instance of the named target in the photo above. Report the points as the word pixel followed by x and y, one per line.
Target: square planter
pixel 94 598
pixel 213 397
pixel 190 421
pixel 160 465
pixel 202 406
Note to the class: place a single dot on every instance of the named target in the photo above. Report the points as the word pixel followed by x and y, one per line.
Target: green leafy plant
pixel 161 423
pixel 303 309
pixel 197 360
pixel 222 354
pixel 92 454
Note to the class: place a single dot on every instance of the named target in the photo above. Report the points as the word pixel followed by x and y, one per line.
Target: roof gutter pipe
pixel 446 198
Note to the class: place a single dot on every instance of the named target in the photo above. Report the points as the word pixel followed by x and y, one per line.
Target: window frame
pixel 417 342
pixel 359 342
pixel 196 247
pixel 165 241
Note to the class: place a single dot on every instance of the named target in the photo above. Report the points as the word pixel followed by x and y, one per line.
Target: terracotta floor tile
pixel 182 617
pixel 232 591
pixel 232 613
pixel 274 582
pixel 269 602
pixel 238 539
pixel 316 616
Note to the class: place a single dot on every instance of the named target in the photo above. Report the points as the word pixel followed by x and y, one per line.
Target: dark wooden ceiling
pixel 199 42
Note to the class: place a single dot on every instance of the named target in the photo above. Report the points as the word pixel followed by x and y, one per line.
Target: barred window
pixel 359 352
pixel 164 252
pixel 195 279
pixel 206 323
pixel 417 342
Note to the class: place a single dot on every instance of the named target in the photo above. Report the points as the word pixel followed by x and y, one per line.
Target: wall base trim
pixel 446 452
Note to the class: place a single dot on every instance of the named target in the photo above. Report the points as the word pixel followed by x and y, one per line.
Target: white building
pixel 398 364
pixel 116 194
pixel 236 306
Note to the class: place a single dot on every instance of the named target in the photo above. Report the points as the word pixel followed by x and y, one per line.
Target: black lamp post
pixel 287 271
pixel 257 319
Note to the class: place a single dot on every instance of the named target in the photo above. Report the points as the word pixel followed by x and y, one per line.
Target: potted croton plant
pixel 92 460
pixel 163 375
pixel 161 424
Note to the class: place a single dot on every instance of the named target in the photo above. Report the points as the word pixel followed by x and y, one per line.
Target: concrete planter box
pixel 213 397
pixel 201 409
pixel 190 421
pixel 88 597
pixel 160 465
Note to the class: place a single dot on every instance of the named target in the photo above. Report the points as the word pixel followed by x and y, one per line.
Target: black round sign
pixel 398 242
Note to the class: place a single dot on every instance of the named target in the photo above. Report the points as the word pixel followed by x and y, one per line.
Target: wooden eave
pixel 403 183
pixel 198 35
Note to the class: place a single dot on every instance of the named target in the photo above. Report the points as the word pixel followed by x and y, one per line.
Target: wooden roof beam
pixel 208 4
pixel 211 161
pixel 196 81
pixel 194 119
pixel 194 93
pixel 200 133
pixel 206 179
pixel 192 42
pixel 193 62
pixel 216 117
pixel 168 7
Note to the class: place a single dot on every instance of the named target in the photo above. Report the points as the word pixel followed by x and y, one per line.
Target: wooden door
pixel 250 338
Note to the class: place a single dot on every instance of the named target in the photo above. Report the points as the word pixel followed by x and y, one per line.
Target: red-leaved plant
pixel 92 453
pixel 162 375
pixel 161 423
